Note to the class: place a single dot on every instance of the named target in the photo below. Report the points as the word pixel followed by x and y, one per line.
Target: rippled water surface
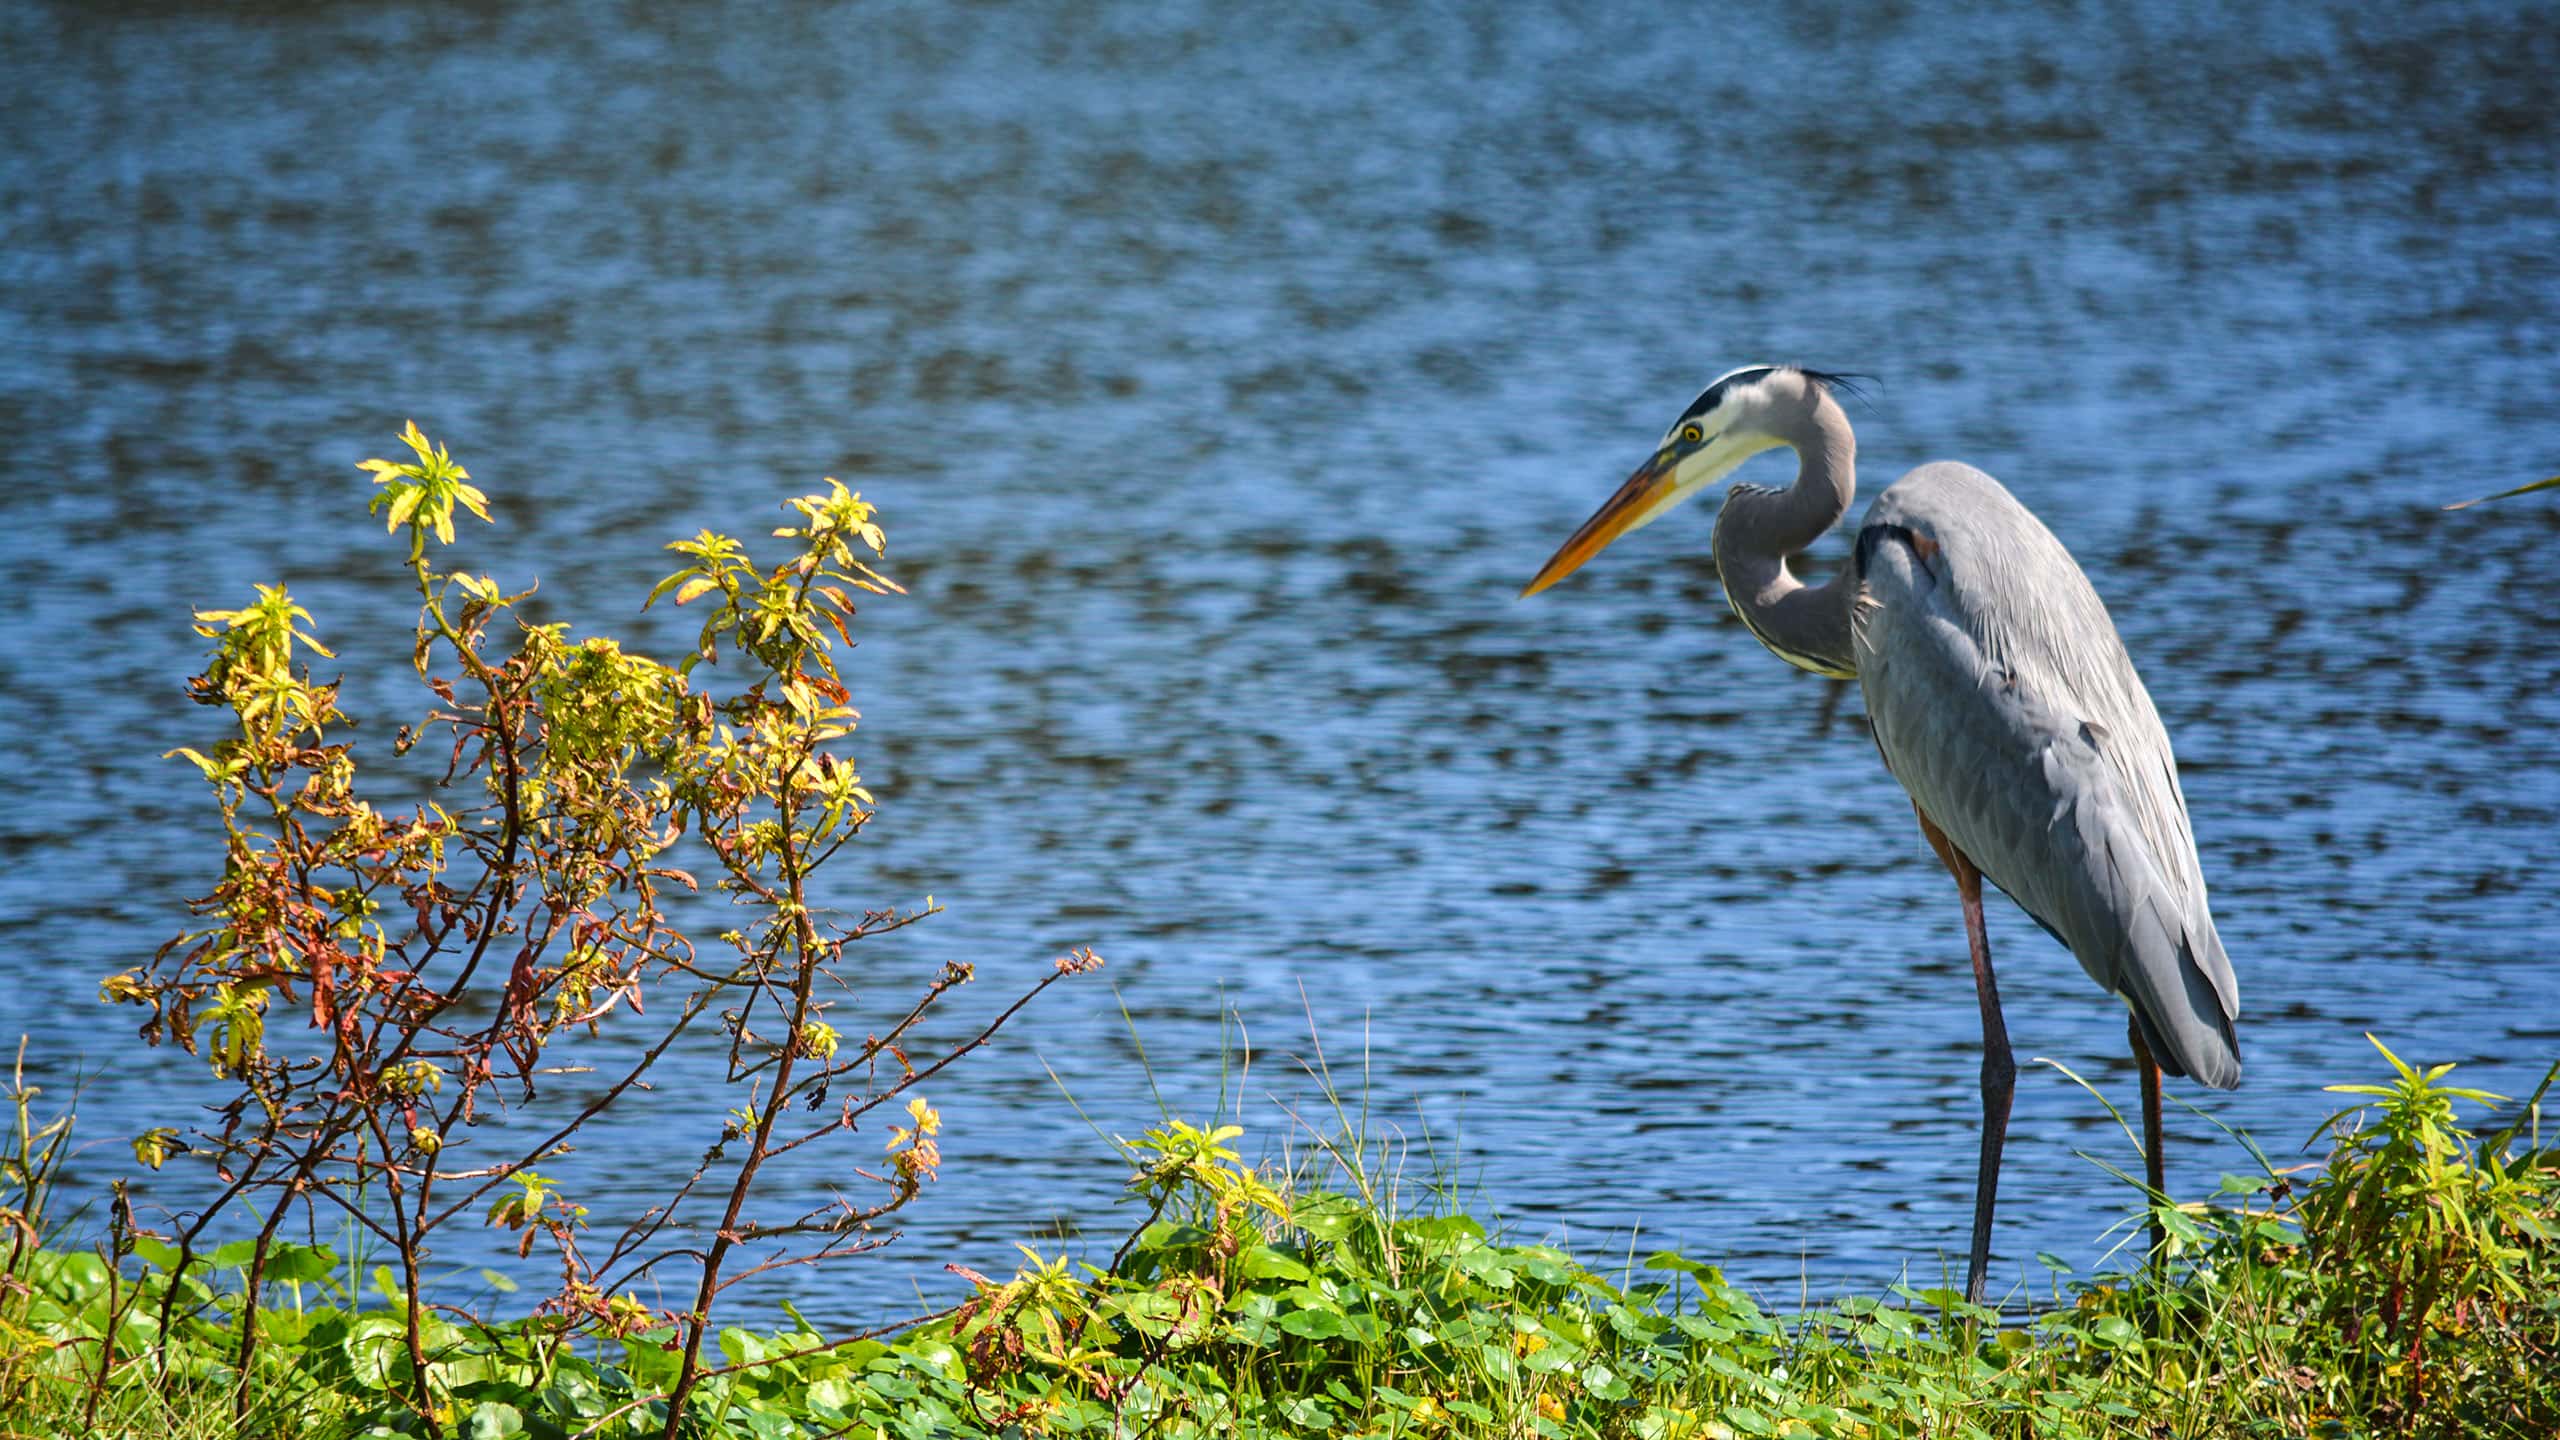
pixel 1221 373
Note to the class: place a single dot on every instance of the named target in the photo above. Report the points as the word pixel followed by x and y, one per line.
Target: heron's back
pixel 2003 700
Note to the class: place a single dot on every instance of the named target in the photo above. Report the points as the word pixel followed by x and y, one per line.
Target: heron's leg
pixel 1829 709
pixel 1999 1070
pixel 2154 1167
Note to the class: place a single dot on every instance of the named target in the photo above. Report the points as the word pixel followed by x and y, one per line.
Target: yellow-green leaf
pixel 210 769
pixel 891 586
pixel 2552 483
pixel 152 1146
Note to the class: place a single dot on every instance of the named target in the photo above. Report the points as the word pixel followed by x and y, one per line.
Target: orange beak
pixel 1648 493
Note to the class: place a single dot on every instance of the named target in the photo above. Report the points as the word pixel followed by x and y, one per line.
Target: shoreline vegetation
pixel 387 1001
pixel 2407 1283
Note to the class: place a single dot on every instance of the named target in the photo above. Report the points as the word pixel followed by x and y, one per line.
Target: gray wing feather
pixel 2003 700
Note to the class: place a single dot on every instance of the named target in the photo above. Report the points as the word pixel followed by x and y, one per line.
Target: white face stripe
pixel 1720 456
pixel 1698 470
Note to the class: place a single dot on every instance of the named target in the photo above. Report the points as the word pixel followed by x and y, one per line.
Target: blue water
pixel 1220 375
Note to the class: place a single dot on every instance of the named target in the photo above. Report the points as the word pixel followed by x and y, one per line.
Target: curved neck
pixel 1806 626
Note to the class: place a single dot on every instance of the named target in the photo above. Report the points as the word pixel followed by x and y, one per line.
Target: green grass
pixel 2410 1284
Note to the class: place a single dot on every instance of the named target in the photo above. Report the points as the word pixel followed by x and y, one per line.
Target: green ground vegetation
pixel 2407 1282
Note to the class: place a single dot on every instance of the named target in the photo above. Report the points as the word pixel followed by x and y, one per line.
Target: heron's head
pixel 1740 413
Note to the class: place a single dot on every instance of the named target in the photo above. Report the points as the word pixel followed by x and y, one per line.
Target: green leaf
pixel 1264 1263
pixel 1442 1229
pixel 374 1346
pixel 1307 1414
pixel 1313 1324
pixel 1322 1296
pixel 1748 1420
pixel 1672 1260
pixel 2116 1332
pixel 2503 494
pixel 1149 1312
pixel 491 1420
pixel 1632 1326
pixel 1328 1219
pixel 1490 1266
pixel 940 1358
pixel 1604 1383
pixel 831 1397
pixel 2406 1073
pixel 857 1354
pixel 1554 1357
pixel 300 1264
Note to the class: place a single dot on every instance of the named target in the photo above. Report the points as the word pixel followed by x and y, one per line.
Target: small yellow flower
pixel 928 1122
pixel 1549 1407
pixel 917 1155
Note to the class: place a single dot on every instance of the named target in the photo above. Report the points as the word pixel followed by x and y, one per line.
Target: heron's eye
pixel 1688 434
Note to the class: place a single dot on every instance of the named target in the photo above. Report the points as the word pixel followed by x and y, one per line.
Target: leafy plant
pixel 1330 1310
pixel 380 988
pixel 2418 1227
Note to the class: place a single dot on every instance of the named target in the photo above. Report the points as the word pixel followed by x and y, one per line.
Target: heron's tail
pixel 2183 996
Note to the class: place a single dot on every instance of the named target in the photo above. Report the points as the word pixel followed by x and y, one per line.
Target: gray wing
pixel 2004 702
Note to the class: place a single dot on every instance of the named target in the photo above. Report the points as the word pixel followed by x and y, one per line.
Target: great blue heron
pixel 2001 698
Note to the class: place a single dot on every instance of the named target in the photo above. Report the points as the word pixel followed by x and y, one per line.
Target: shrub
pixel 376 986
